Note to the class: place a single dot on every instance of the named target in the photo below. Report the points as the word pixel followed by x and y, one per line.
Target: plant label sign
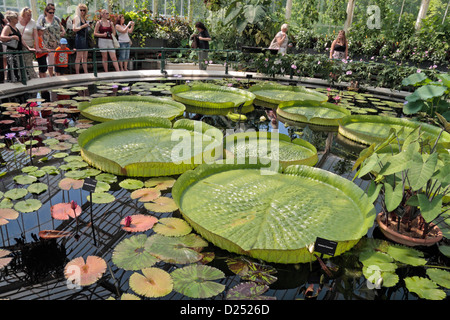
pixel 89 184
pixel 325 246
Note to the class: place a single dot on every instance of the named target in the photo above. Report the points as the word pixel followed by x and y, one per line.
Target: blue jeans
pixel 124 55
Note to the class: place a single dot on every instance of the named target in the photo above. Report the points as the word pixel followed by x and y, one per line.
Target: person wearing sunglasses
pixel 52 34
pixel 81 28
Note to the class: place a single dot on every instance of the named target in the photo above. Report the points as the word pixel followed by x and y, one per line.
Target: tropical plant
pixel 412 179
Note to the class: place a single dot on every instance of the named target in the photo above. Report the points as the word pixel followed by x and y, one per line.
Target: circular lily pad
pixel 16 193
pixel 143 147
pixel 131 254
pixel 145 194
pixel 131 184
pixel 123 107
pixel 161 183
pixel 25 179
pixel 153 283
pixel 101 197
pixel 273 216
pixel 173 227
pixel 6 215
pixel 37 188
pixel 29 205
pixel 64 211
pixel 197 281
pixel 267 146
pixel 84 273
pixel 161 204
pixel 138 223
pixel 69 183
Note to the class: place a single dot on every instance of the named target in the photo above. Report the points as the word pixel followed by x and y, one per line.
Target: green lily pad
pixel 424 288
pixel 131 254
pixel 29 205
pixel 407 255
pixel 131 184
pixel 154 283
pixel 16 193
pixel 102 187
pixel 441 277
pixel 197 281
pixel 37 188
pixel 101 197
pixel 179 250
pixel 29 169
pixel 106 177
pixel 25 179
pixel 173 227
pixel 161 183
pixel 161 204
pixel 76 174
pixel 248 291
pixel 6 204
pixel 59 155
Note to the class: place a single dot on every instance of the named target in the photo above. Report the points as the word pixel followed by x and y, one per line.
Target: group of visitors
pixel 24 39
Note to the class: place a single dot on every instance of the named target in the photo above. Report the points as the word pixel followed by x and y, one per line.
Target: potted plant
pixel 410 175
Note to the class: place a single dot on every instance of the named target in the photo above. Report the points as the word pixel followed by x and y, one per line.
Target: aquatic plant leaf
pixel 131 254
pixel 153 283
pixel 382 261
pixel 28 205
pixel 69 183
pixel 139 223
pixel 248 291
pixel 37 188
pixel 73 158
pixel 173 227
pixel 7 214
pixel 4 261
pixel 161 183
pixel 424 288
pixel 64 211
pixel 25 179
pixel 197 281
pixel 161 204
pixel 102 187
pixel 16 193
pixel 179 250
pixel 75 174
pixel 29 169
pixel 6 204
pixel 441 277
pixel 106 177
pixel 53 234
pixel 406 255
pixel 251 271
pixel 145 194
pixel 121 107
pixel 85 273
pixel 131 184
pixel 37 173
pixel 445 250
pixel 239 209
pixel 101 197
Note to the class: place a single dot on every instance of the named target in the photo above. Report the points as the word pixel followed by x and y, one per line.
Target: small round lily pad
pixel 37 188
pixel 173 227
pixel 161 204
pixel 131 184
pixel 130 254
pixel 25 179
pixel 16 193
pixel 29 205
pixel 152 283
pixel 101 197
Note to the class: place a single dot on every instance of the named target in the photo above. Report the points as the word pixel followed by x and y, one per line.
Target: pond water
pixel 36 271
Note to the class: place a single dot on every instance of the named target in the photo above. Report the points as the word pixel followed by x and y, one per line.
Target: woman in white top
pixel 280 41
pixel 124 40
pixel 27 27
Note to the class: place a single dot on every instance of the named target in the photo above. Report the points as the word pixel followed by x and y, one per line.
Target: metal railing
pixel 140 55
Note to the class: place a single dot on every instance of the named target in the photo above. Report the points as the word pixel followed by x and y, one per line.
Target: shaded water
pixel 97 231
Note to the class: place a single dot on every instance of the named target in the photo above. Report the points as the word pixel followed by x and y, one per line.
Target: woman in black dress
pixel 203 44
pixel 81 28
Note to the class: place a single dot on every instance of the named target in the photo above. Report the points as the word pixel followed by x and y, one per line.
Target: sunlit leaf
pixel 248 291
pixel 424 288
pixel 28 205
pixel 139 223
pixel 7 214
pixel 131 254
pixel 161 204
pixel 173 227
pixel 84 273
pixel 64 211
pixel 154 282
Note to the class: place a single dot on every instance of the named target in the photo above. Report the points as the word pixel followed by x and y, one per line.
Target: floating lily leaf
pixel 146 194
pixel 106 177
pixel 37 188
pixel 6 215
pixel 29 169
pixel 197 281
pixel 445 250
pixel 173 227
pixel 6 204
pixel 4 261
pixel 252 271
pixel 85 273
pixel 60 146
pixel 64 211
pixel 102 187
pixel 161 204
pixel 25 179
pixel 382 260
pixel 274 215
pixel 126 296
pixel 424 288
pixel 131 184
pixel 153 283
pixel 73 158
pixel 407 255
pixel 441 277
pixel 139 223
pixel 37 173
pixel 161 183
pixel 131 254
pixel 29 205
pixel 121 107
pixel 76 174
pixel 180 250
pixel 16 193
pixel 101 197
pixel 248 291
pixel 60 155
pixel 69 183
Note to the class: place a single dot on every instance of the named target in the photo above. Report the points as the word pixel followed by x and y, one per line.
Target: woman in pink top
pixel 104 29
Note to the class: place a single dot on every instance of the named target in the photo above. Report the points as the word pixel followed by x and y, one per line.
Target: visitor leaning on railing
pixel 41 53
pixel 81 28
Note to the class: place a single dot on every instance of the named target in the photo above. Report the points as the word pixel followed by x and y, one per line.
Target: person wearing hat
pixel 41 53
pixel 62 57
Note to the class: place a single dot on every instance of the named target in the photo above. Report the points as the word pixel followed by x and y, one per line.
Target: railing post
pixel 22 69
pixel 163 59
pixel 226 63
pixel 94 62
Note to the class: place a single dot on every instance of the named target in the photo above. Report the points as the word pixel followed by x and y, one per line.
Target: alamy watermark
pixel 374 20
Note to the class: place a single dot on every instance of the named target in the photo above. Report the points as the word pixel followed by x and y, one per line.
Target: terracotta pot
pixel 406 240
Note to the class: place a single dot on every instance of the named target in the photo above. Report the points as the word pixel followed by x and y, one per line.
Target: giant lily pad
pixel 273 216
pixel 312 112
pixel 270 95
pixel 267 146
pixel 211 96
pixel 374 129
pixel 131 254
pixel 197 281
pixel 150 146
pixel 121 107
